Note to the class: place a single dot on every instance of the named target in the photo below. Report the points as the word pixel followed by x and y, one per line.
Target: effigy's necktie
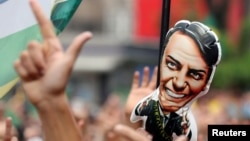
pixel 165 120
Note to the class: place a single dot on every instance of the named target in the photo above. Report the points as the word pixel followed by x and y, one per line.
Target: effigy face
pixel 188 63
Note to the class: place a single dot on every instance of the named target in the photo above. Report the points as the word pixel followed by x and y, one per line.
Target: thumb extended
pixel 78 42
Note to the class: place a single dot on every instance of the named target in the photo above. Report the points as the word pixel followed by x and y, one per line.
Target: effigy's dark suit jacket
pixel 154 123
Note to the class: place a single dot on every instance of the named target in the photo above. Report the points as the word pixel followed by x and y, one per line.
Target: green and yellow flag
pixel 18 26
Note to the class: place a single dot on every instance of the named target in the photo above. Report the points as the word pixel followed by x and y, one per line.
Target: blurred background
pixel 126 38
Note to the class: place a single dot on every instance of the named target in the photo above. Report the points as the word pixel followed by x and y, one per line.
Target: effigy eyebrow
pixel 176 61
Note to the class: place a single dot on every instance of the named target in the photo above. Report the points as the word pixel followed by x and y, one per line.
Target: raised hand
pixel 139 91
pixel 44 67
pixel 110 114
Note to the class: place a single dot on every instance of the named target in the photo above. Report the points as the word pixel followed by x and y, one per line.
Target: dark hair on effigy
pixel 205 38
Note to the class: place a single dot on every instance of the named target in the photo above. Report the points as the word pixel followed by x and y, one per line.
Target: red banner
pixel 147 20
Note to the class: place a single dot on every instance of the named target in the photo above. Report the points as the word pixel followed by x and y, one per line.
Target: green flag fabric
pixel 18 26
pixel 62 12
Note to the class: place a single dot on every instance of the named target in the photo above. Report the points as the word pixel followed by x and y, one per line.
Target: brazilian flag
pixel 18 26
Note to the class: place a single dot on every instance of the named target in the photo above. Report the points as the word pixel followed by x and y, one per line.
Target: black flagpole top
pixel 164 29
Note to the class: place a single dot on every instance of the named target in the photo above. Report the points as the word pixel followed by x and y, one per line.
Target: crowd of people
pixel 217 107
pixel 44 69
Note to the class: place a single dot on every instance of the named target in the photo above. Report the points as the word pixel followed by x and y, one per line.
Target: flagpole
pixel 164 29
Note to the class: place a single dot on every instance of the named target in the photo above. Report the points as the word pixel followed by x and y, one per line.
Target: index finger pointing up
pixel 46 27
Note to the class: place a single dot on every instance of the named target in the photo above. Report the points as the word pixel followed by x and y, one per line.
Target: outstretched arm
pixel 44 69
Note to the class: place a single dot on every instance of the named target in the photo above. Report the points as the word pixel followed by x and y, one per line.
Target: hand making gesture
pixel 44 69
